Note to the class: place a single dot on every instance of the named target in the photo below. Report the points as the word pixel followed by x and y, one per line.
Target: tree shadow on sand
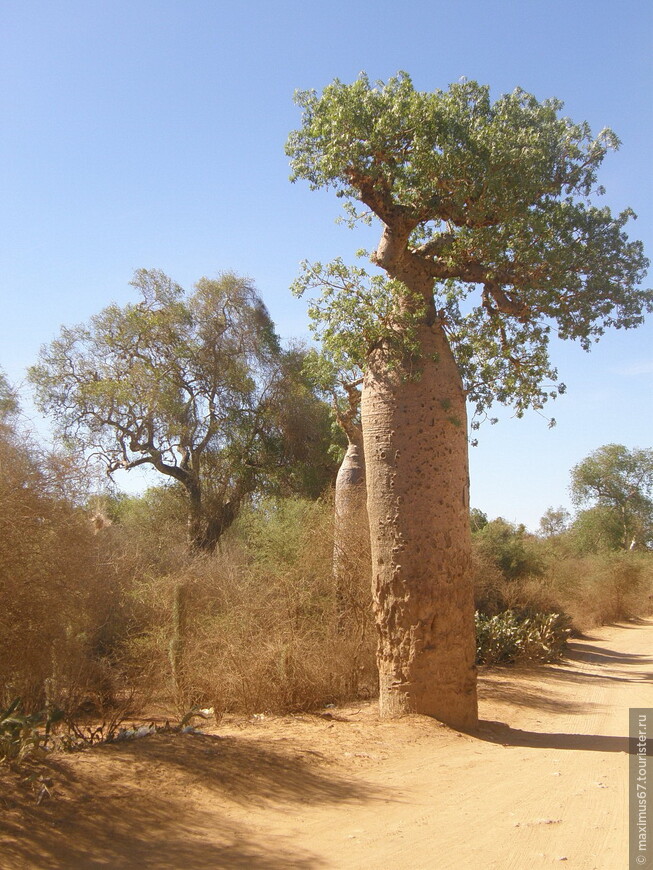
pixel 513 691
pixel 591 654
pixel 605 665
pixel 245 771
pixel 506 683
pixel 502 733
pixel 106 820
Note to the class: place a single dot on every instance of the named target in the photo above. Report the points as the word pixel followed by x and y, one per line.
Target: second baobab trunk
pixel 351 549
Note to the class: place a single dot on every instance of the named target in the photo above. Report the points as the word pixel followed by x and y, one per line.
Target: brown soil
pixel 542 784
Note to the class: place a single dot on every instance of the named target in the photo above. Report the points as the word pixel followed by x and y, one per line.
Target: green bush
pixel 509 548
pixel 510 637
pixel 23 735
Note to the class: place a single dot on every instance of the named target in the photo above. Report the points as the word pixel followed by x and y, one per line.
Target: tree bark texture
pixel 178 641
pixel 415 442
pixel 207 525
pixel 351 544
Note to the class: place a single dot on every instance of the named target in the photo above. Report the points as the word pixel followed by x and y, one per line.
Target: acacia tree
pixel 194 386
pixel 620 484
pixel 490 241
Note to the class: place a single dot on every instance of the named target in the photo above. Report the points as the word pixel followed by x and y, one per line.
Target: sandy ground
pixel 542 784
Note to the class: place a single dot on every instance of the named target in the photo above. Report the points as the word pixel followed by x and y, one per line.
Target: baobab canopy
pixel 494 206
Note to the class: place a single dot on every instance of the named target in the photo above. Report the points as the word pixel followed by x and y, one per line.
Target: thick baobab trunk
pixel 351 542
pixel 415 443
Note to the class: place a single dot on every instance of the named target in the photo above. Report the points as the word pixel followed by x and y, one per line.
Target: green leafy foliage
pixel 337 381
pixel 478 519
pixel 488 210
pixel 510 637
pixel 195 386
pixel 152 382
pixel 598 529
pixel 620 484
pixel 8 400
pixel 509 548
pixel 299 456
pixel 357 312
pixel 554 522
pixel 402 137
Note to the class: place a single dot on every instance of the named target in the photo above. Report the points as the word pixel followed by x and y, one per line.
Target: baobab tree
pixel 351 523
pixel 338 378
pixel 490 241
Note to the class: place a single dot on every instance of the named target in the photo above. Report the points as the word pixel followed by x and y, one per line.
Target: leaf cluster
pixel 452 153
pixel 510 637
pixel 356 313
pixel 24 735
pixel 9 406
pixel 487 209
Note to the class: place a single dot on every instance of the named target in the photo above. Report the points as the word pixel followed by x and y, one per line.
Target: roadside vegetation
pixel 107 612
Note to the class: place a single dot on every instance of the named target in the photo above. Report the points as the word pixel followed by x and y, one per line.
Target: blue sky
pixel 151 134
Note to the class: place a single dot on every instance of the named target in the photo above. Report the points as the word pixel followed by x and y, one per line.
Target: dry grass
pixel 90 617
pixel 606 588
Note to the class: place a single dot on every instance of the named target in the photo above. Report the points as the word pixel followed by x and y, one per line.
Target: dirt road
pixel 543 784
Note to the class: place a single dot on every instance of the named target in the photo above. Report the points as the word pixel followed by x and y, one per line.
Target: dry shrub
pixel 494 593
pixel 354 583
pixel 605 588
pixel 490 585
pixel 256 627
pixel 592 590
pixel 56 595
